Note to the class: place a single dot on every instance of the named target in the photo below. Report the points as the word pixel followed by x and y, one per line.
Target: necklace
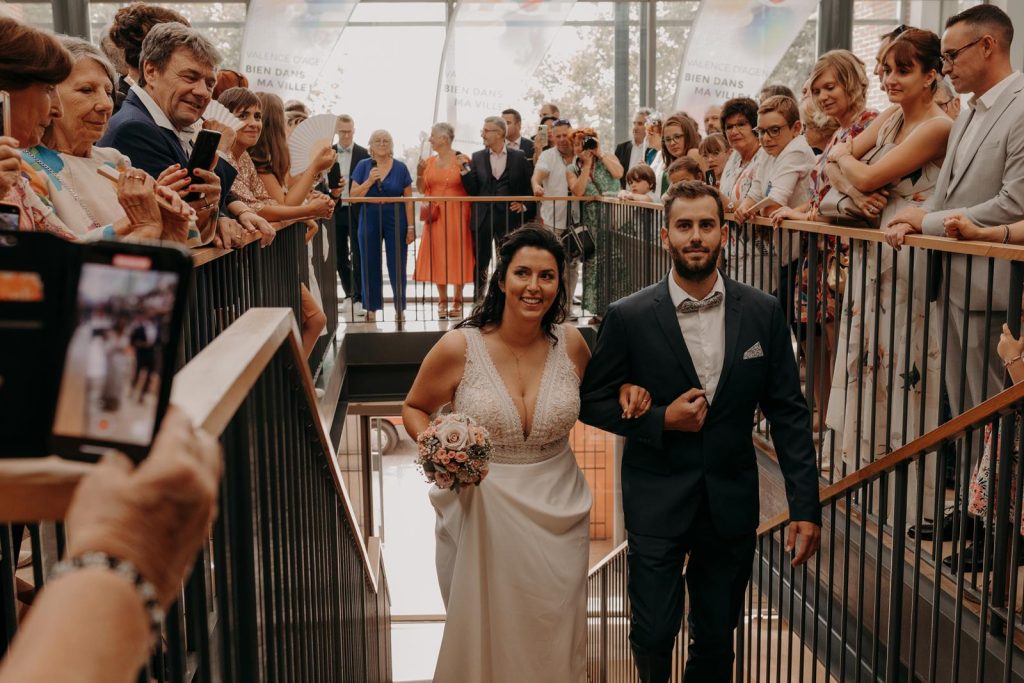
pixel 68 183
pixel 522 385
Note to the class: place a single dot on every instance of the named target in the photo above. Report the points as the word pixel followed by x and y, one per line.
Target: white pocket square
pixel 753 352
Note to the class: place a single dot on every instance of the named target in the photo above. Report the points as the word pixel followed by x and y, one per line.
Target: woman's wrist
pixel 1013 359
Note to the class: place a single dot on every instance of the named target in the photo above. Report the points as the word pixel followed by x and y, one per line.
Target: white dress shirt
pixel 637 153
pixel 498 161
pixel 514 144
pixel 185 135
pixel 345 166
pixel 980 107
pixel 784 178
pixel 554 214
pixel 704 334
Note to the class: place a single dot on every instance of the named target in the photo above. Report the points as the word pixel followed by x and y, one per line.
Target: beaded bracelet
pixel 1013 360
pixel 122 568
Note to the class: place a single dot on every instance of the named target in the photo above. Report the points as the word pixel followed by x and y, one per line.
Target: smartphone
pixel 124 329
pixel 10 217
pixel 542 136
pixel 5 113
pixel 34 276
pixel 334 176
pixel 204 150
pixel 709 176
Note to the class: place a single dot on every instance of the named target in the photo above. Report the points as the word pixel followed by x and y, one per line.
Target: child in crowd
pixel 714 150
pixel 640 179
pixel 684 168
pixel 781 178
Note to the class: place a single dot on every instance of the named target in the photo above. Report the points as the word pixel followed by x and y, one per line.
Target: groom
pixel 709 350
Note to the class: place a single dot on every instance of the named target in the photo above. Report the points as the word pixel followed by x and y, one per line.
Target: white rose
pixel 454 435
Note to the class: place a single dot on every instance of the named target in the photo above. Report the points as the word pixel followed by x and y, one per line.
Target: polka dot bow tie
pixel 691 306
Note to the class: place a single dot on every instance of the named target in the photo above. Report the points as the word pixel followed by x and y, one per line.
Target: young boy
pixel 684 168
pixel 782 176
pixel 640 179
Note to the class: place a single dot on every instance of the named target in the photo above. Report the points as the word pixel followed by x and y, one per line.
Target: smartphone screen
pixel 5 113
pixel 10 217
pixel 121 352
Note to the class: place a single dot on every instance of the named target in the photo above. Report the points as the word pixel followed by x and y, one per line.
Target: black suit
pixel 623 151
pixel 492 221
pixel 526 147
pixel 696 494
pixel 347 238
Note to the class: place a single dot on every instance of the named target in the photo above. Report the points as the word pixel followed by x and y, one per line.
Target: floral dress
pixel 600 182
pixel 829 248
pixel 978 502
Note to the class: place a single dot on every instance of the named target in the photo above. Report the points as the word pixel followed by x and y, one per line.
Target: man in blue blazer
pixel 157 121
pixel 710 351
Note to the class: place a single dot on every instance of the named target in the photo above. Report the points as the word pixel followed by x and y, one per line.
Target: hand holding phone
pixel 204 153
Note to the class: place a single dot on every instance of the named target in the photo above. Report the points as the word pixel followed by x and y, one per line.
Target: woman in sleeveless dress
pixel 446 248
pixel 512 553
pixel 901 152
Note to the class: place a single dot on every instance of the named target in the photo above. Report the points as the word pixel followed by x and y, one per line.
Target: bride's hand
pixel 635 401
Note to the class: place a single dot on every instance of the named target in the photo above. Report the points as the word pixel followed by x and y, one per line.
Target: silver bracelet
pixel 124 569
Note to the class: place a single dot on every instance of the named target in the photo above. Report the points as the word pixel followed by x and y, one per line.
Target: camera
pixel 589 142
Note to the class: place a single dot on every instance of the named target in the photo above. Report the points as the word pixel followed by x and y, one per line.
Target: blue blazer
pixel 134 133
pixel 664 473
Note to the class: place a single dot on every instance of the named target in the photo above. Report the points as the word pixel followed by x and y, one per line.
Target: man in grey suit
pixel 983 178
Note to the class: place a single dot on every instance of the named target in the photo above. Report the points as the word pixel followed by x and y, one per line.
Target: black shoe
pixel 950 521
pixel 972 560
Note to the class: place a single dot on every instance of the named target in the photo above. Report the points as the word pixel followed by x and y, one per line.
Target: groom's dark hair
pixel 489 312
pixel 693 189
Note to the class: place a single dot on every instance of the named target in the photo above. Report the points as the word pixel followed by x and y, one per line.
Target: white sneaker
pixel 360 312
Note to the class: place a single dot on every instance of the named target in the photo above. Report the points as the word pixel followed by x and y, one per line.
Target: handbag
pixel 430 212
pixel 578 242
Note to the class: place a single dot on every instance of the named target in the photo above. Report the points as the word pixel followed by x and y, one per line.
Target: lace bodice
pixel 482 395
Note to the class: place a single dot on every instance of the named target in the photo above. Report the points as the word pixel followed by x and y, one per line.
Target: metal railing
pixel 286 588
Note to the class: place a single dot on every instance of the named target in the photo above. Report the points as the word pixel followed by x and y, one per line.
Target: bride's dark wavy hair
pixel 490 311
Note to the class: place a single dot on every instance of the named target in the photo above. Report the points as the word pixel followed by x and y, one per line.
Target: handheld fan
pixel 215 111
pixel 308 138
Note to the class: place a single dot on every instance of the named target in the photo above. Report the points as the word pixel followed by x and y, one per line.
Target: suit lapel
pixel 733 313
pixel 998 109
pixel 665 314
pixel 946 172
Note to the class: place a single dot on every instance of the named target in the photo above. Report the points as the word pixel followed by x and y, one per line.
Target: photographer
pixel 593 173
pixel 155 516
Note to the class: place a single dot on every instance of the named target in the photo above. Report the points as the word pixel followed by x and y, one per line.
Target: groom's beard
pixel 688 272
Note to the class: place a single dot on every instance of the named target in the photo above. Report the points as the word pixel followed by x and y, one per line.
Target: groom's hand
pixel 687 412
pixel 805 534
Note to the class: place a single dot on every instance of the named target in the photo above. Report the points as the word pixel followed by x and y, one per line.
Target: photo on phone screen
pixel 110 389
pixel 10 217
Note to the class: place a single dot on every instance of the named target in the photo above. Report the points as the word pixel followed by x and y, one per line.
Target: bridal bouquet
pixel 454 451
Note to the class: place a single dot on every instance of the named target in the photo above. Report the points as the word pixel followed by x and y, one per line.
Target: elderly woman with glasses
pixel 383 176
pixel 739 117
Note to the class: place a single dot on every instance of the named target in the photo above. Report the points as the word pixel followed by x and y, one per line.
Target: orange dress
pixel 446 250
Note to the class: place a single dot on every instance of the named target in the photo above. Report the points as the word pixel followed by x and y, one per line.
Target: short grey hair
pixel 943 84
pixel 499 122
pixel 444 129
pixel 643 111
pixel 163 39
pixel 82 49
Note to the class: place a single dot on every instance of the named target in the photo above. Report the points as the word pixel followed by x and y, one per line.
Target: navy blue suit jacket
pixel 134 133
pixel 665 473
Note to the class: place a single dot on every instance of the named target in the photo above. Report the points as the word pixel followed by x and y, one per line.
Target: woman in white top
pixel 901 152
pixel 739 117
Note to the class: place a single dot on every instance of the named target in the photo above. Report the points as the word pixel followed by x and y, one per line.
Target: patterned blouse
pixel 248 188
pixel 820 184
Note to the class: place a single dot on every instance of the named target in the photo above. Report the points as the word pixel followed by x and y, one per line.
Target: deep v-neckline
pixel 497 378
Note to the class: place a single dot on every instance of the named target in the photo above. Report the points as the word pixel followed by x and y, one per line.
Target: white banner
pixel 491 51
pixel 734 46
pixel 289 45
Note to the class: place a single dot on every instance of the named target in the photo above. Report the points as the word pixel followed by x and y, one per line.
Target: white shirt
pixel 978 122
pixel 784 177
pixel 553 214
pixel 514 144
pixel 704 334
pixel 636 153
pixel 185 135
pixel 498 161
pixel 345 166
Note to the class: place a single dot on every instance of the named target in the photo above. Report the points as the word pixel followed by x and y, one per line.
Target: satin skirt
pixel 512 558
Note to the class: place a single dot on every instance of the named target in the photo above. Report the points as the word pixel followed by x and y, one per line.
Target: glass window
pixel 38 14
pixel 872 18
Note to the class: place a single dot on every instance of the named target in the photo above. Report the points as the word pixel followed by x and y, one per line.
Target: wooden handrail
pixel 608 558
pixel 209 389
pixel 979 414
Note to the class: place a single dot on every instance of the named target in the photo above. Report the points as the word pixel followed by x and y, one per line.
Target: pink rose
pixel 461 456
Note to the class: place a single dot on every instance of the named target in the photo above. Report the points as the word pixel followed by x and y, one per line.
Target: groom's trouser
pixel 717 572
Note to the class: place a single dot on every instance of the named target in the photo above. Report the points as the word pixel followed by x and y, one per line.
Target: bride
pixel 512 553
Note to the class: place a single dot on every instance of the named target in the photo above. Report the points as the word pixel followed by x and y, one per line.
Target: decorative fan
pixel 215 111
pixel 308 138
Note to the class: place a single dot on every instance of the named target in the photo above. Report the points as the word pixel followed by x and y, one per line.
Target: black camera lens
pixel 589 143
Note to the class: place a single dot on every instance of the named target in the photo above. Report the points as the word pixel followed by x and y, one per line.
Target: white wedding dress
pixel 512 553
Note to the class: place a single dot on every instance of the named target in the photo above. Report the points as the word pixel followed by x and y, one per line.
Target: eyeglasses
pixel 490 130
pixel 671 139
pixel 734 126
pixel 943 105
pixel 949 56
pixel 769 132
pixel 561 122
